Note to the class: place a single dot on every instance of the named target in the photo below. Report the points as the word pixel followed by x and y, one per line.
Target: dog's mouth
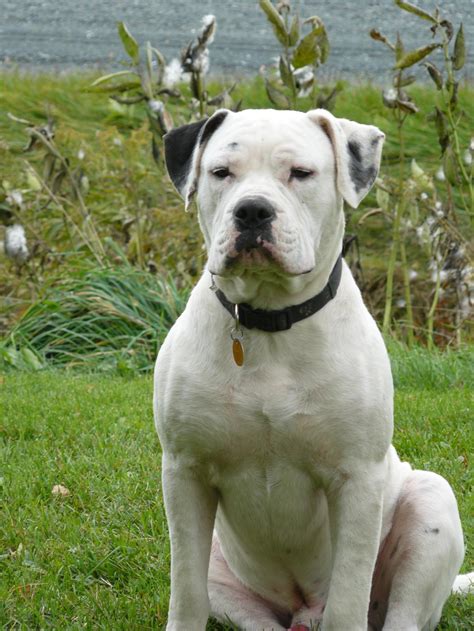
pixel 259 251
pixel 253 249
pixel 248 240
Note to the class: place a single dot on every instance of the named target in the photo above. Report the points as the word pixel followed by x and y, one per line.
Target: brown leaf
pixel 59 489
pixel 448 27
pixel 407 106
pixel 377 35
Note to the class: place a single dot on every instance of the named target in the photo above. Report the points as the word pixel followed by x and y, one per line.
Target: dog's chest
pixel 268 415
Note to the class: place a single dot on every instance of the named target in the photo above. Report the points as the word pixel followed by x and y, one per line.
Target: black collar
pixel 283 319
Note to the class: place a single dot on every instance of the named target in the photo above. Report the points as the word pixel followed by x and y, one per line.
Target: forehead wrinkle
pixel 224 155
pixel 272 137
pixel 288 153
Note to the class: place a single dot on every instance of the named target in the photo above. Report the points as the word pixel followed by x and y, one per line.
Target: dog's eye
pixel 221 172
pixel 300 174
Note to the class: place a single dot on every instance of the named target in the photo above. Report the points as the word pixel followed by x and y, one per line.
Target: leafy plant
pixel 59 184
pixel 302 54
pixel 150 80
pixel 143 82
pixel 195 62
pixel 413 192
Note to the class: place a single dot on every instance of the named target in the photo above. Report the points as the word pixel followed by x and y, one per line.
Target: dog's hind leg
pixel 419 558
pixel 235 604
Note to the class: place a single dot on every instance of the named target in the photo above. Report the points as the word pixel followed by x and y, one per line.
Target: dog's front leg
pixel 355 514
pixel 191 509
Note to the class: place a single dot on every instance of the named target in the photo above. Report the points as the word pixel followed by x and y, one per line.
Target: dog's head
pixel 270 185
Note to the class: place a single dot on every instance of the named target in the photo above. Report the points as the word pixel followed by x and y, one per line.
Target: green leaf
pixel 147 83
pixel 435 74
pixel 285 73
pixel 454 95
pixel 414 56
pixel 450 167
pixel 401 82
pixel 276 21
pixel 159 57
pixel 424 181
pixel 277 97
pixel 294 31
pixel 383 199
pixel 129 42
pixel 160 60
pixel 399 48
pixel 31 359
pixel 149 60
pixel 442 127
pixel 110 77
pixel 459 56
pixel 131 100
pixel 411 8
pixel 324 46
pixel 308 52
pixel 121 87
pixel 10 355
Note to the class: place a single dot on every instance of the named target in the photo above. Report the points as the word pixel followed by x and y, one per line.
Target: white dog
pixel 287 505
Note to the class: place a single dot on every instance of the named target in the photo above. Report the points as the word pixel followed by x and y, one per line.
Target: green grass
pixel 99 557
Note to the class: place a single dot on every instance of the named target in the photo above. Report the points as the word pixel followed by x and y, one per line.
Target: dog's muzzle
pixel 252 218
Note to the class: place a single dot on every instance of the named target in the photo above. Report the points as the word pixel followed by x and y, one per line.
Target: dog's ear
pixel 183 149
pixel 357 149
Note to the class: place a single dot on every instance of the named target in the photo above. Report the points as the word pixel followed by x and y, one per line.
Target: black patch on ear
pixel 362 176
pixel 179 147
pixel 212 124
pixel 180 144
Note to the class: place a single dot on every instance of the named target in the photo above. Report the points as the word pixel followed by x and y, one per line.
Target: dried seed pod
pixel 435 74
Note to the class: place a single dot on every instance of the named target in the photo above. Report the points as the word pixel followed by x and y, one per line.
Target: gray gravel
pixel 69 34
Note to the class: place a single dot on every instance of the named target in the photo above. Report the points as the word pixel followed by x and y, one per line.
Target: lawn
pixel 98 557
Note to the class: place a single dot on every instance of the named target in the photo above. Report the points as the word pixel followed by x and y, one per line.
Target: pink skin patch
pixel 299 627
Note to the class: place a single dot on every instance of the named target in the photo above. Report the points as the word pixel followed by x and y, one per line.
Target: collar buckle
pixel 282 320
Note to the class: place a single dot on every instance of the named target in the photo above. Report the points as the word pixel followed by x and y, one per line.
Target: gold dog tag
pixel 237 336
pixel 238 352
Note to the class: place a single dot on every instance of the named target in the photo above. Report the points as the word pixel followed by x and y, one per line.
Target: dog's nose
pixel 253 213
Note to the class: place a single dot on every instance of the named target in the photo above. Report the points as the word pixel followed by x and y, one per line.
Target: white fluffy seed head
pixel 173 73
pixel 15 244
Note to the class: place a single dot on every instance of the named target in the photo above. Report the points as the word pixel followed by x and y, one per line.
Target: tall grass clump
pixel 106 317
